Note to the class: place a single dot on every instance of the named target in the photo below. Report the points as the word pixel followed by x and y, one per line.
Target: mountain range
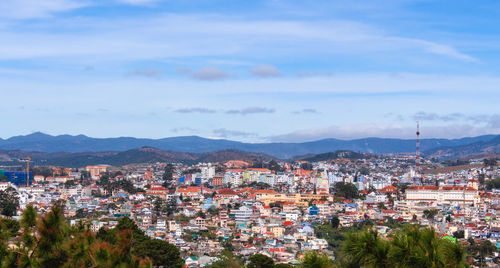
pixel 134 156
pixel 40 142
pixel 480 148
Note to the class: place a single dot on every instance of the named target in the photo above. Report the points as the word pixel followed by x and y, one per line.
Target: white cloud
pixel 435 48
pixel 226 133
pixel 195 110
pixel 265 70
pixel 138 2
pixel 306 111
pixel 209 73
pixel 147 72
pixel 176 36
pixel 28 9
pixel 358 131
pixel 251 110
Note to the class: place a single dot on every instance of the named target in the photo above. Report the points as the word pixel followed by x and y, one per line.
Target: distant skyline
pixel 250 70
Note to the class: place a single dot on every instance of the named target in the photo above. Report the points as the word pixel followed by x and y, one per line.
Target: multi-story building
pixel 95 171
pixel 448 195
pixel 243 214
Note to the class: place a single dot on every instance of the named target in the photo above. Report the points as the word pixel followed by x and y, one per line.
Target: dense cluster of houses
pixel 208 207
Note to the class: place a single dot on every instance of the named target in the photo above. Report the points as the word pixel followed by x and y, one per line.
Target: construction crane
pixel 27 159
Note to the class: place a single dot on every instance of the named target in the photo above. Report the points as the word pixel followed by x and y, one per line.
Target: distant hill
pixel 134 156
pixel 477 149
pixel 331 156
pixel 193 144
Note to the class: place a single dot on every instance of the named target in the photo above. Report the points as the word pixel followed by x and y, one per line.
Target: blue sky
pixel 250 70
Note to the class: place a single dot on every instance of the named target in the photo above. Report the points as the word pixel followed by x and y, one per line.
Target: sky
pixel 254 71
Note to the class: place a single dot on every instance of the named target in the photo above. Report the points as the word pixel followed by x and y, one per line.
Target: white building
pixel 243 214
pixel 207 172
pixel 442 194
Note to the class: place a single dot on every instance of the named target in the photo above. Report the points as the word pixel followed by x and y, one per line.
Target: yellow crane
pixel 27 159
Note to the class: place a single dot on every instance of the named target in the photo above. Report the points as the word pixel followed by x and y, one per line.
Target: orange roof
pixel 158 189
pixel 191 189
pixel 250 190
pixel 226 192
pixel 302 172
pixel 265 191
pixel 388 189
pixel 259 169
pixel 443 188
pixel 457 188
pixel 427 187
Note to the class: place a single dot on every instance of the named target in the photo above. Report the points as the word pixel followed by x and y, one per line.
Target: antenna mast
pixel 417 154
pixel 417 157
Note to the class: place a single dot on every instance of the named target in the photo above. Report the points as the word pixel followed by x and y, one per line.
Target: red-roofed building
pixel 443 194
pixel 194 191
pixel 160 192
pixel 389 189
pixel 265 192
pixel 303 172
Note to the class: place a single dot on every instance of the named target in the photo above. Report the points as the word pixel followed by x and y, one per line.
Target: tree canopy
pixel 9 201
pixel 346 190
pixel 260 261
pixel 48 241
pixel 411 246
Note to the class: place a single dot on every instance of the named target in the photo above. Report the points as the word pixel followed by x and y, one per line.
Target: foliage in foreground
pixel 411 246
pixel 48 241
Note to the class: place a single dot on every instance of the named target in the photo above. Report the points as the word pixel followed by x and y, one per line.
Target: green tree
pixel 10 226
pixel 168 175
pixel 493 184
pixel 335 222
pixel 411 246
pixel 274 166
pixel 9 201
pixel 366 249
pixel 306 166
pixel 346 190
pixel 160 252
pixel 283 265
pixel 228 245
pixel 313 259
pixel 490 162
pixel 213 210
pixel 459 234
pixel 48 241
pixel 430 213
pixel 260 261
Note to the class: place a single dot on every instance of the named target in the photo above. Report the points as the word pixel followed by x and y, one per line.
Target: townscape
pixel 249 134
pixel 278 209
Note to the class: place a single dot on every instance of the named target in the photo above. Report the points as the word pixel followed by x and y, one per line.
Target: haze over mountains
pixel 40 142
